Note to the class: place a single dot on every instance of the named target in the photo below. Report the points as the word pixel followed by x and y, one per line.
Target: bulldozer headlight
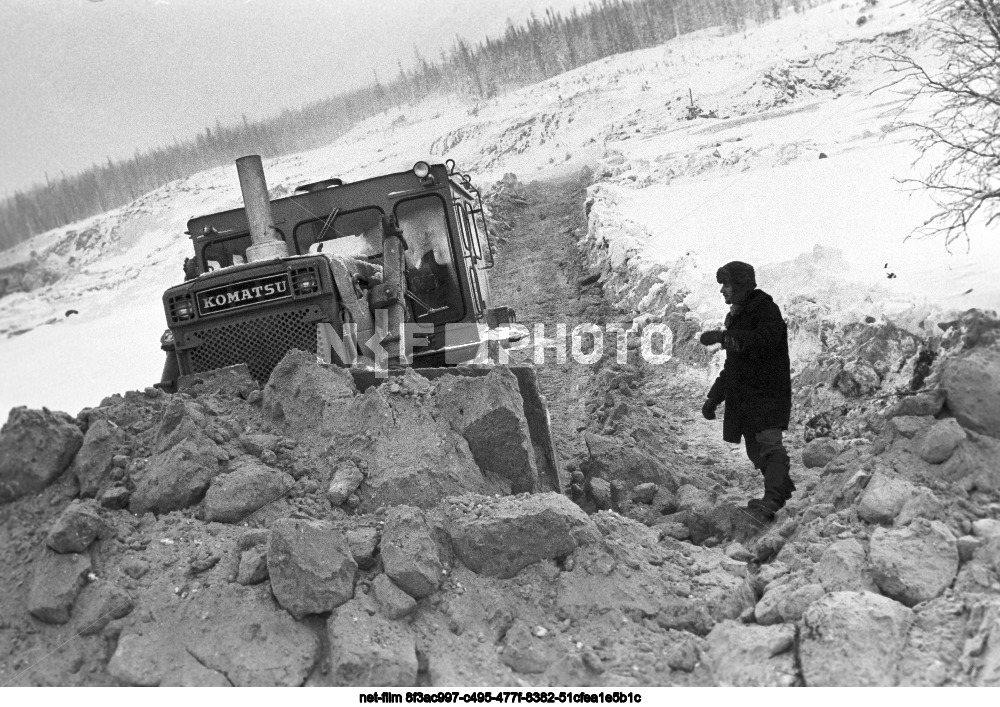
pixel 421 169
pixel 184 312
pixel 307 285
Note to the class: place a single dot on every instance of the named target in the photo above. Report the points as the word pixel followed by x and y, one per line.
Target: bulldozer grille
pixel 259 342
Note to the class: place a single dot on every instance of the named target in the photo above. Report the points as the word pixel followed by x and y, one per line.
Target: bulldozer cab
pixel 440 215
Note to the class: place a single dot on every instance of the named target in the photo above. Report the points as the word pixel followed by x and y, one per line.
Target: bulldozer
pixel 374 275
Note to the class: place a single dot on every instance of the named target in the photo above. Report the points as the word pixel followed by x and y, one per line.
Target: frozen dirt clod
pixel 973 464
pixel 36 446
pixel 488 412
pixel 56 584
pixel 100 603
pixel 184 463
pixel 922 404
pixel 369 650
pixel 75 528
pixel 93 463
pixel 612 460
pixel 819 452
pixel 844 567
pixel 940 441
pixel 853 639
pixel 249 486
pixel 363 543
pixel 915 563
pixel 523 652
pixel 410 555
pixel 500 537
pixel 884 497
pixel 392 601
pixel 253 566
pixel 310 566
pixel 347 477
pixel 222 635
pixel 751 656
pixel 414 457
pixel 302 394
pixel 973 385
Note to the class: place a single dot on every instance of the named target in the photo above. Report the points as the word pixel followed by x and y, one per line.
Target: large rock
pixel 767 611
pixel 184 463
pixel 915 563
pixel 223 635
pixel 500 537
pixel 410 555
pixel 36 446
pixel 57 582
pixel 488 412
pixel 302 394
pixel 941 440
pixel 819 452
pixel 973 385
pixel 75 528
pixel 98 604
pixel 884 498
pixel 140 661
pixel 973 464
pixel 922 504
pixel 751 656
pixel 369 650
pixel 844 567
pixel 853 639
pixel 233 497
pixel 933 655
pixel 310 566
pixel 414 458
pixel 93 463
pixel 612 460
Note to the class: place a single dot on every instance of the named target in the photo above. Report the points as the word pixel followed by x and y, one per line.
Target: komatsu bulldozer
pixel 373 275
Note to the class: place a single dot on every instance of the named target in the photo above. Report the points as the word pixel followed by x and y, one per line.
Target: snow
pixel 673 198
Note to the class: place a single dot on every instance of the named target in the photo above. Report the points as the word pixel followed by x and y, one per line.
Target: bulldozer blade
pixel 536 411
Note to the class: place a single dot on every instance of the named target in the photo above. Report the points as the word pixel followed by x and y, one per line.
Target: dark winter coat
pixel 756 381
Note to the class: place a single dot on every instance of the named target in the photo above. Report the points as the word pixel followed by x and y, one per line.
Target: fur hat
pixel 739 275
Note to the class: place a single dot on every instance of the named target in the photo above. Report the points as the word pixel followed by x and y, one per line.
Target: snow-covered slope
pixel 671 196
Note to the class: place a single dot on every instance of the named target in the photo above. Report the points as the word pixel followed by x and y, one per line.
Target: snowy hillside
pixel 671 195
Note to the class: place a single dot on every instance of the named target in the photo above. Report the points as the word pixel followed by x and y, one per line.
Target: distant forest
pixel 525 54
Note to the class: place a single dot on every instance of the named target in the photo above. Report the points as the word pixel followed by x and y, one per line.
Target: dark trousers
pixel 763 446
pixel 769 456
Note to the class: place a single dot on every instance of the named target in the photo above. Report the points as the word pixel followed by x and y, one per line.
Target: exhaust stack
pixel 266 243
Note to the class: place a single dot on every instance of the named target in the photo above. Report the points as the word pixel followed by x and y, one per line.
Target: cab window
pixel 355 234
pixel 430 263
pixel 226 252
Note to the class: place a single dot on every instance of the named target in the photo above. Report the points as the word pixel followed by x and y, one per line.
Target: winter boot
pixel 778 486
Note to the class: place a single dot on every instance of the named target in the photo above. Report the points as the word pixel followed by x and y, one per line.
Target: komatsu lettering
pixel 243 293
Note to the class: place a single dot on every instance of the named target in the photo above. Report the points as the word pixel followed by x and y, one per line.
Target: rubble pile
pixel 312 533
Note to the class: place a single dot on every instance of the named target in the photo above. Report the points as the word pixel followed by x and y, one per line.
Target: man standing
pixel 755 383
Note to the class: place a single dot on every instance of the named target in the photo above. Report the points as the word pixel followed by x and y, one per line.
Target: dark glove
pixel 712 337
pixel 708 410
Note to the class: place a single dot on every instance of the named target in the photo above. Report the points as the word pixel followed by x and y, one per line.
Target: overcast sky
pixel 83 80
